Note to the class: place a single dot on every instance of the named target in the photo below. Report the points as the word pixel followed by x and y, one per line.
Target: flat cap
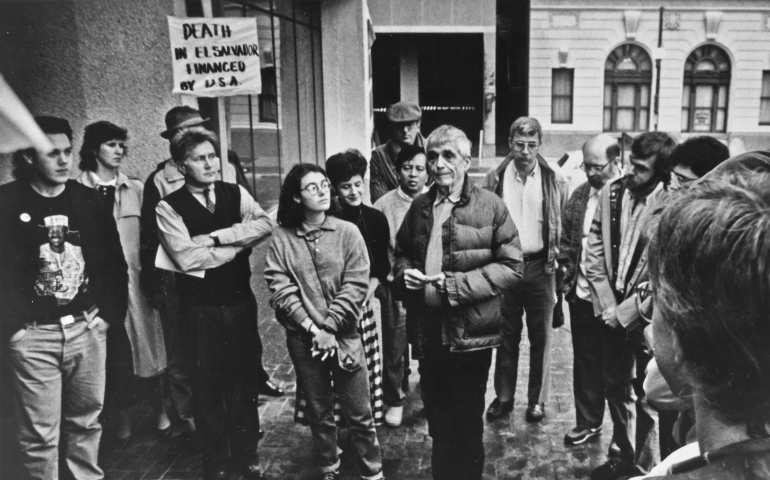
pixel 402 112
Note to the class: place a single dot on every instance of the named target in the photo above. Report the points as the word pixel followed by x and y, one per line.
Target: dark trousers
pixel 222 345
pixel 176 387
pixel 453 387
pixel 537 296
pixel 635 422
pixel 588 377
pixel 393 346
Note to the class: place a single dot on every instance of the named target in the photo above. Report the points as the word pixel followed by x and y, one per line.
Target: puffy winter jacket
pixel 482 260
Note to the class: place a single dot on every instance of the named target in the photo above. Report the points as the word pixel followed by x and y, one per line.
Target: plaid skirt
pixel 367 328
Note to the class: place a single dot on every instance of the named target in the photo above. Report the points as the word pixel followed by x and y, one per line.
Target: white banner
pixel 215 57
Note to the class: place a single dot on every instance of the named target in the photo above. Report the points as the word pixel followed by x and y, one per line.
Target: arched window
pixel 627 79
pixel 704 95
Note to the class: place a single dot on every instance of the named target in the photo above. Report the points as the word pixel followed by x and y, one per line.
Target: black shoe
pixel 271 390
pixel 535 413
pixel 335 475
pixel 497 409
pixel 253 472
pixel 613 470
pixel 579 435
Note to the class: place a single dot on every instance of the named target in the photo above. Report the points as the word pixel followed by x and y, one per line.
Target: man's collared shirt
pixel 582 290
pixel 631 210
pixel 525 203
pixel 175 237
pixel 442 209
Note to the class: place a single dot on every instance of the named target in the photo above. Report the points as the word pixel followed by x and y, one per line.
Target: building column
pixel 490 93
pixel 410 78
pixel 348 114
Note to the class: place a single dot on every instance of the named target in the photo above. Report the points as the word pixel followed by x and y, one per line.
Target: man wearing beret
pixel 404 118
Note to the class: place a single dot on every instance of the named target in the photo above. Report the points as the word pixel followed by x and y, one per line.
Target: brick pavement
pixel 514 448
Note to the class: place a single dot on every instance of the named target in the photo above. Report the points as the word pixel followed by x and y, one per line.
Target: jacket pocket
pixel 481 319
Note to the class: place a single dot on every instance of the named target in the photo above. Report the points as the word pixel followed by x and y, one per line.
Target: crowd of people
pixel 115 290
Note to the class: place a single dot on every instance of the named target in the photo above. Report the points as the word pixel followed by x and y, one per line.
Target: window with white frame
pixel 705 90
pixel 764 99
pixel 562 81
pixel 627 79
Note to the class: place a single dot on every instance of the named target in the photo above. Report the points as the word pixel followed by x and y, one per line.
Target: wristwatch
pixel 215 236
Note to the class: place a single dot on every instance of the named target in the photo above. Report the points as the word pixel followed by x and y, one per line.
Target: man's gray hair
pixel 527 126
pixel 449 135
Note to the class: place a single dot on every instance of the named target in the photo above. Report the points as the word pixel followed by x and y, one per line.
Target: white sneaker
pixel 393 416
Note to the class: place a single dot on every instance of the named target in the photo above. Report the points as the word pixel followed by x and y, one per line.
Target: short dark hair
pixel 95 135
pixel 343 166
pixel 290 213
pixel 22 170
pixel 407 153
pixel 659 144
pixel 710 267
pixel 701 154
pixel 186 140
pixel 53 125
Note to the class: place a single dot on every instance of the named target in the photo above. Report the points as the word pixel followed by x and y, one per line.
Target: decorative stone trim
pixel 713 19
pixel 631 18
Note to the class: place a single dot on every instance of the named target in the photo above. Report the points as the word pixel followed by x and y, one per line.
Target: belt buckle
pixel 67 320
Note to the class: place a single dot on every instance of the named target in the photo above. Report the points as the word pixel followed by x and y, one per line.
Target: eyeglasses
pixel 588 168
pixel 313 189
pixel 519 146
pixel 683 181
pixel 644 300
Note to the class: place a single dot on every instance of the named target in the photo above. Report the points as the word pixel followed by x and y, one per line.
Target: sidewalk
pixel 514 448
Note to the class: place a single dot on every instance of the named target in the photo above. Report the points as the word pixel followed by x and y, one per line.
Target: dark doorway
pixel 450 69
pixel 386 83
pixel 512 66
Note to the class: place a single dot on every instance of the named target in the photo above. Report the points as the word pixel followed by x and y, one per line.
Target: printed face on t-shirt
pixel 61 267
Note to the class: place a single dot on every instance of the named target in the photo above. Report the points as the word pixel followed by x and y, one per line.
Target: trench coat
pixel 142 324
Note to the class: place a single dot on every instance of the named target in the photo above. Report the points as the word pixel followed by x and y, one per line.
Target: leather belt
pixel 531 257
pixel 84 316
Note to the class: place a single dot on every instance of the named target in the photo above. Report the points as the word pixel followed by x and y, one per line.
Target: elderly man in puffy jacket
pixel 457 255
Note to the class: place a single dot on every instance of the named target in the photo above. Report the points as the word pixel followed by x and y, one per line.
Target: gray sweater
pixel 324 279
pixel 394 205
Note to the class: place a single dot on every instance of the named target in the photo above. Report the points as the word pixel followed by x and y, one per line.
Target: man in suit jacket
pixel 63 282
pixel 615 262
pixel 601 162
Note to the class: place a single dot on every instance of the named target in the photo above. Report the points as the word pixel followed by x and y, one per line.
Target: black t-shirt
pixel 56 276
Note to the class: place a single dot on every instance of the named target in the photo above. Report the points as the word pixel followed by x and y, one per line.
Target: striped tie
pixel 209 204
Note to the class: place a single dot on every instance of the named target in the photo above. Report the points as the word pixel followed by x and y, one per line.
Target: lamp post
pixel 659 53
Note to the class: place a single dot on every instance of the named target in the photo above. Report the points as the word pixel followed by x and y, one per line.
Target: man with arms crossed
pixel 211 226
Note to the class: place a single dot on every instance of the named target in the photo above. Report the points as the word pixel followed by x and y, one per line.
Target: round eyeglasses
pixel 313 189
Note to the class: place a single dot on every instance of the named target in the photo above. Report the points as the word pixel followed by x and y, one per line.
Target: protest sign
pixel 214 57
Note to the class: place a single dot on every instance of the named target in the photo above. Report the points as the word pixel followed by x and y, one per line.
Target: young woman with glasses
pixel 318 273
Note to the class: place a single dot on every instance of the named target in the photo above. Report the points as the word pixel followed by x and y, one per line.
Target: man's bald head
pixel 601 145
pixel 600 159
